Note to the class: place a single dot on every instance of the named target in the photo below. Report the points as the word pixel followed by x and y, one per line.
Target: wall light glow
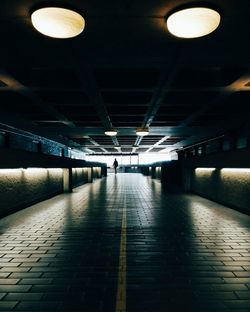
pixel 29 170
pixel 205 169
pixel 246 170
pixel 11 171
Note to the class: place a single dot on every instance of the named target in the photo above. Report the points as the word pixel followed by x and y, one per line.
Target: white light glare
pixel 111 132
pixel 193 22
pixel 142 131
pixel 58 22
pixel 246 170
pixel 205 169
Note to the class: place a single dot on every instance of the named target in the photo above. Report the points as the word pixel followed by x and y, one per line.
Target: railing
pixel 11 137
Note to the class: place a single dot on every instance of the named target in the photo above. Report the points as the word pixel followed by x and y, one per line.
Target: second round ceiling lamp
pixel 57 22
pixel 142 131
pixel 111 132
pixel 193 22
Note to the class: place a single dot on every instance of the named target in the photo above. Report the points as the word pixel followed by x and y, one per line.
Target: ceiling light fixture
pixel 193 22
pixel 58 22
pixel 142 131
pixel 111 132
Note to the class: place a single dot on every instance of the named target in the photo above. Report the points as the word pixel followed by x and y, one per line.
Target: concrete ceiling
pixel 125 71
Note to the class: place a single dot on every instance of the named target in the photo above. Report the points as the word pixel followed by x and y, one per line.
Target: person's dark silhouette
pixel 115 165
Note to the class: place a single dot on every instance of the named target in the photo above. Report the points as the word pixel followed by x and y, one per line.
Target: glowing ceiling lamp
pixel 111 132
pixel 142 131
pixel 193 22
pixel 58 22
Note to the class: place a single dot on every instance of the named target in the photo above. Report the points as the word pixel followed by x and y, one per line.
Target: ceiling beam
pixel 95 144
pixel 14 84
pixel 165 80
pixel 79 132
pixel 238 85
pixel 88 80
pixel 157 144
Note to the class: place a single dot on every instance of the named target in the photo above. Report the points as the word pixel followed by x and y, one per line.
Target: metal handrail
pixel 200 143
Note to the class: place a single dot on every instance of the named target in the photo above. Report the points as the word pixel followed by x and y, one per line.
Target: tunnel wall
pixel 222 177
pixel 27 178
pixel 168 172
pixel 228 186
pixel 79 176
pixel 20 188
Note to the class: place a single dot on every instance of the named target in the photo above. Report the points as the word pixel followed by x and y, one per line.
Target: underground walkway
pixel 120 244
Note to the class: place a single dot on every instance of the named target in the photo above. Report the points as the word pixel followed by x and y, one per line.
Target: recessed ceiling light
pixel 193 22
pixel 58 22
pixel 111 132
pixel 142 131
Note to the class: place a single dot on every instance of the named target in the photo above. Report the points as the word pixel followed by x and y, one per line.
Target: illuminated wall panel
pixel 20 188
pixel 97 172
pixel 230 186
pixel 79 176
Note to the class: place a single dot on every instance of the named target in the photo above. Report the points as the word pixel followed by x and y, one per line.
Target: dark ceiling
pixel 125 71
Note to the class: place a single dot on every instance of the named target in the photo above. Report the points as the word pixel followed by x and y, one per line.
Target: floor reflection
pixel 183 252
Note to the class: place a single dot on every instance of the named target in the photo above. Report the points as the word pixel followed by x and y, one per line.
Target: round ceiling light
pixel 142 131
pixel 193 22
pixel 111 132
pixel 58 22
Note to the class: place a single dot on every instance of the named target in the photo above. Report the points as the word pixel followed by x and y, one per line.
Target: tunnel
pixel 124 156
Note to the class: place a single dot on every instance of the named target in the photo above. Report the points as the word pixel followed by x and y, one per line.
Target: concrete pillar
pixel 153 173
pixel 186 179
pixel 104 171
pixel 90 175
pixel 99 172
pixel 163 174
pixel 67 180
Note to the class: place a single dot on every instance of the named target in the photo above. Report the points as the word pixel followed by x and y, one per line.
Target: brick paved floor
pixel 183 252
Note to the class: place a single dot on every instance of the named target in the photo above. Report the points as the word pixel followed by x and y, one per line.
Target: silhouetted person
pixel 115 164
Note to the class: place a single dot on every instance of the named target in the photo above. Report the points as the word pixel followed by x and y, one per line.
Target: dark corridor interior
pixel 182 252
pixel 163 236
pixel 124 71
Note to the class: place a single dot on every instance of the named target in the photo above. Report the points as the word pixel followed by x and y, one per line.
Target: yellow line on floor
pixel 121 289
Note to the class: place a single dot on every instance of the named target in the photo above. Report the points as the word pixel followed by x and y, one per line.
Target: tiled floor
pixel 183 253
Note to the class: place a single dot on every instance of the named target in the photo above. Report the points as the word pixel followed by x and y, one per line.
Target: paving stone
pixel 14 288
pixel 8 281
pixel 37 306
pixel 23 296
pixel 183 252
pixel 243 294
pixel 2 295
pixel 7 305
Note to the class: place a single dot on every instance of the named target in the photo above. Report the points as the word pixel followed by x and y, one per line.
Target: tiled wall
pixel 230 186
pixel 20 188
pixel 79 176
